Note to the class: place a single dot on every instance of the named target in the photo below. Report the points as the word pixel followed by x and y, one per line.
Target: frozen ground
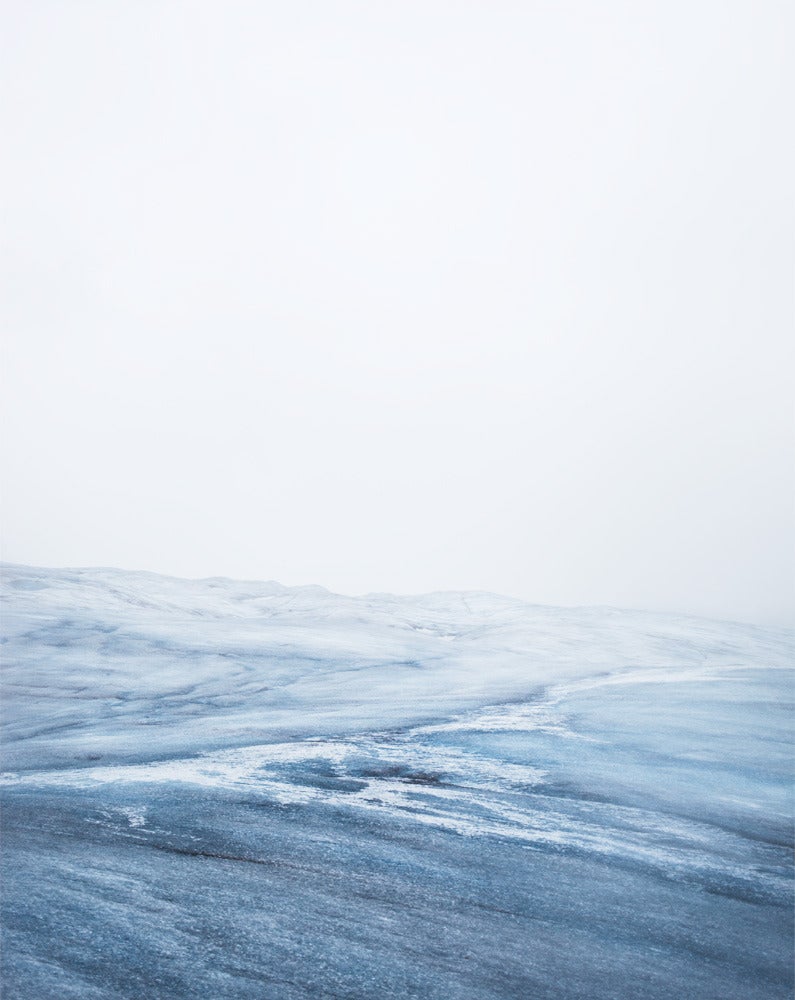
pixel 218 789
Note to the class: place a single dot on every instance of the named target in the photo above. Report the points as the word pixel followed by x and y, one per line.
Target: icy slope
pixel 224 789
pixel 108 664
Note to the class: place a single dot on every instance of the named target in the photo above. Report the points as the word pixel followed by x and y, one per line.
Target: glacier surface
pixel 242 790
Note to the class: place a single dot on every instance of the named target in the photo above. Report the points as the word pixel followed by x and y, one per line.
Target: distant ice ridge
pixel 106 665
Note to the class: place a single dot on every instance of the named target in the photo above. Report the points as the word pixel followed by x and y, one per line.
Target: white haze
pixel 404 296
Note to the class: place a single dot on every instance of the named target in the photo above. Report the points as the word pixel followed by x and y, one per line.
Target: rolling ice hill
pixel 238 789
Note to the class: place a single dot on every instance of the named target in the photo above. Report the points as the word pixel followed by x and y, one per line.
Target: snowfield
pixel 234 789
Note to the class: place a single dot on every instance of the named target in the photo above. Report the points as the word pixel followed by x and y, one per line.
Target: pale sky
pixel 404 296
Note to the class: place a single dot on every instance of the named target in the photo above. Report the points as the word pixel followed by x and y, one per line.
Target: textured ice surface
pixel 226 789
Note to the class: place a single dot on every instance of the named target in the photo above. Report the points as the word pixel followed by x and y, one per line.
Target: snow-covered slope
pixel 111 664
pixel 452 795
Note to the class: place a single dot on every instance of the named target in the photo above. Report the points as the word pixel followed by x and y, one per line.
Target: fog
pixel 404 296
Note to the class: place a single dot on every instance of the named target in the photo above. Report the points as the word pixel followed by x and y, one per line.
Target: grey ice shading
pixel 242 790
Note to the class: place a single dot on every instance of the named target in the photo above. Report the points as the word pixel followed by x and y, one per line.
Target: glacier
pixel 232 789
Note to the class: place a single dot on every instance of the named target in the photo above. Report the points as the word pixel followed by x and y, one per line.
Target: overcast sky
pixel 404 295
